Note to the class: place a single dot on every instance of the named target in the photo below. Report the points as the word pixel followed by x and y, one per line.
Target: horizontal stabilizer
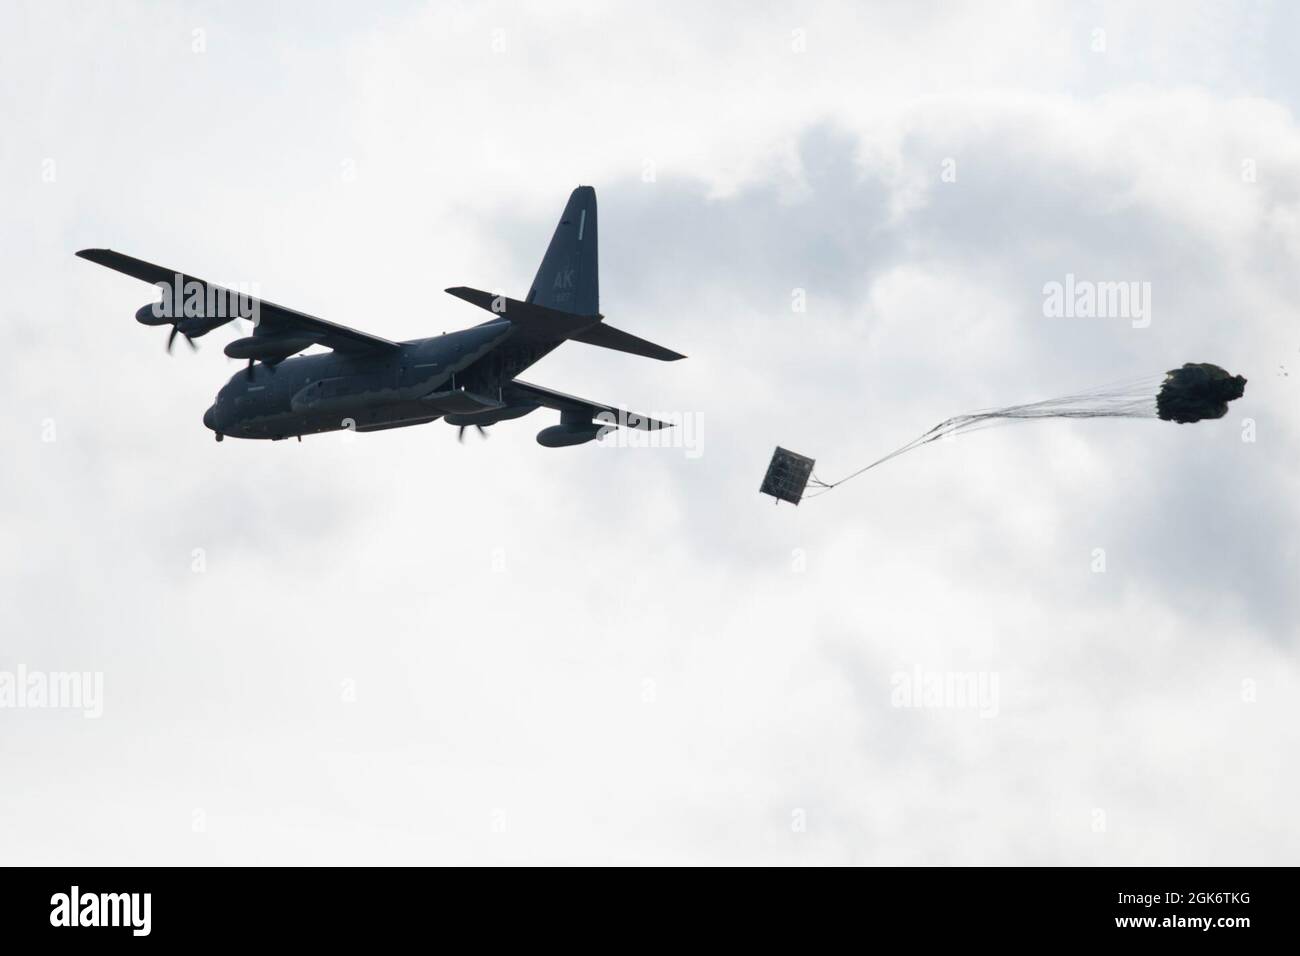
pixel 608 337
pixel 578 328
pixel 533 318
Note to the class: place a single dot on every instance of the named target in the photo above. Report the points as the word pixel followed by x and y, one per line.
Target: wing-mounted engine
pixel 575 428
pixel 581 421
pixel 190 326
pixel 481 420
pixel 489 417
pixel 269 348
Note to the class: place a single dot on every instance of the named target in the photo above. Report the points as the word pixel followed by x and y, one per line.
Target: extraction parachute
pixel 1195 392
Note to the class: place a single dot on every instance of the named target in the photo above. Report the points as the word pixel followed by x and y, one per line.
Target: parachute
pixel 1198 391
pixel 1192 393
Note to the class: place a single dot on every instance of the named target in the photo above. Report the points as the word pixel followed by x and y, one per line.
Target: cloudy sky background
pixel 614 655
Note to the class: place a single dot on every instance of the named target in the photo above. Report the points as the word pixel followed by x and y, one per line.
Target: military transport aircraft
pixel 367 383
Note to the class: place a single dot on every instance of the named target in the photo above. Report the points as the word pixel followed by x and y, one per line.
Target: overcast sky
pixel 395 648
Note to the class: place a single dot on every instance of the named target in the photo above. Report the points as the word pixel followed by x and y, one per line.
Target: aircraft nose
pixel 210 417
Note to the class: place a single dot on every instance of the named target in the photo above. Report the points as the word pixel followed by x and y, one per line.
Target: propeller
pixel 171 340
pixel 269 366
pixel 460 435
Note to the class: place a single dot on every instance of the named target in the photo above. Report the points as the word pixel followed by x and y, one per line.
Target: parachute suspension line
pixel 1192 393
pixel 1128 399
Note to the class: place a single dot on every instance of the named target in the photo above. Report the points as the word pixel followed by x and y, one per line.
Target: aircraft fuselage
pixel 451 374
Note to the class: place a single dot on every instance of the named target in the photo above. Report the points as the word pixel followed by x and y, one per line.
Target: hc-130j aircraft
pixel 368 383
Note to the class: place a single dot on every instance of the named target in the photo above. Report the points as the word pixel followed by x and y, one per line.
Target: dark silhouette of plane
pixel 367 383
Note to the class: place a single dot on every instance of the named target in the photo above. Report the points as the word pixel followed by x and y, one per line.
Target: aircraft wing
pixel 272 319
pixel 523 392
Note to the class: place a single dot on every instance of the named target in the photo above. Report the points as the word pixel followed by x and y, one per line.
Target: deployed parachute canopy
pixel 1196 391
pixel 1192 393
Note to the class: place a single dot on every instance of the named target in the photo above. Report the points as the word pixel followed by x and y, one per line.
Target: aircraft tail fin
pixel 568 279
pixel 564 301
